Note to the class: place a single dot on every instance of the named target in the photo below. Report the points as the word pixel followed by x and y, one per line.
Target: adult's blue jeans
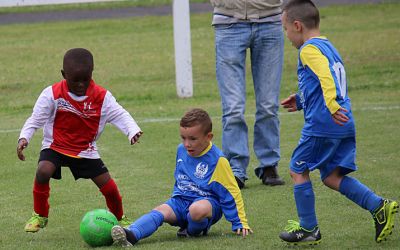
pixel 265 42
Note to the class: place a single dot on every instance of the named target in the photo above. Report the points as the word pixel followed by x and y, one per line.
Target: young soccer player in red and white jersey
pixel 73 114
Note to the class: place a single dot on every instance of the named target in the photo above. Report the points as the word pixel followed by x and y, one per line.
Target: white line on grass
pixel 171 119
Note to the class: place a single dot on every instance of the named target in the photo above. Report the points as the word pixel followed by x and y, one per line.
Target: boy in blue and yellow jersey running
pixel 205 189
pixel 328 141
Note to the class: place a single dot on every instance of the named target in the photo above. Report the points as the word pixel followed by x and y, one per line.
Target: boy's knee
pixel 200 210
pixel 167 212
pixel 333 180
pixel 300 178
pixel 196 214
pixel 327 182
pixel 102 180
pixel 44 171
pixel 293 175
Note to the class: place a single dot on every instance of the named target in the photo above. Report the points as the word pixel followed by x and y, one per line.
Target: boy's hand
pixel 290 103
pixel 244 231
pixel 339 117
pixel 135 138
pixel 22 144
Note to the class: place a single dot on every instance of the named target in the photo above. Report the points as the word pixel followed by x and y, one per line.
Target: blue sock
pixel 305 203
pixel 146 225
pixel 359 193
pixel 196 227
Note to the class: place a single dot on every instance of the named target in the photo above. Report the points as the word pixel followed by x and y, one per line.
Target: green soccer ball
pixel 95 227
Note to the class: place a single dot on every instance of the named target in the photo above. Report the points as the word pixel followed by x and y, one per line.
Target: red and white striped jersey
pixel 72 124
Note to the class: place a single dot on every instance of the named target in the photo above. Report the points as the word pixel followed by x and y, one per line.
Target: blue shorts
pixel 325 154
pixel 181 206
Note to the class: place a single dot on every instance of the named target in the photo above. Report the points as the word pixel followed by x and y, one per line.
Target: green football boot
pixel 295 235
pixel 384 219
pixel 124 221
pixel 35 223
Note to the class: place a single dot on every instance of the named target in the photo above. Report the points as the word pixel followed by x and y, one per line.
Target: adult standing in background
pixel 256 25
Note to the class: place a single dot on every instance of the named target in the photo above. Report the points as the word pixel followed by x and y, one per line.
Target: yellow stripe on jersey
pixel 223 175
pixel 72 156
pixel 312 57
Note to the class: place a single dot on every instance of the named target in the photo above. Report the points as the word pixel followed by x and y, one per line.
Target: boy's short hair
pixel 78 56
pixel 304 11
pixel 195 117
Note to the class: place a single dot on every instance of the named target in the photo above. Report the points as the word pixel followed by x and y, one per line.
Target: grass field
pixel 134 58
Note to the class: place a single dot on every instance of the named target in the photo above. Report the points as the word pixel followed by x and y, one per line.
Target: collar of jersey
pixel 319 37
pixel 77 98
pixel 205 150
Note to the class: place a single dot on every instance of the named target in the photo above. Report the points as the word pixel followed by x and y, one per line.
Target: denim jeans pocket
pixel 223 26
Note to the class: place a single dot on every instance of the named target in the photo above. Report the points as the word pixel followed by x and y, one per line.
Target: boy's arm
pixel 120 118
pixel 22 144
pixel 312 57
pixel 43 109
pixel 224 185
pixel 339 117
pixel 292 103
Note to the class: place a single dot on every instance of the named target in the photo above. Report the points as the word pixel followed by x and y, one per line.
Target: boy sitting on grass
pixel 205 188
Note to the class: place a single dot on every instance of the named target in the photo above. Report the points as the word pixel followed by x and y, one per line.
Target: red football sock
pixel 113 198
pixel 41 193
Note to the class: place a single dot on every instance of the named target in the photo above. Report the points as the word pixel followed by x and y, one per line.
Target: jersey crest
pixel 201 170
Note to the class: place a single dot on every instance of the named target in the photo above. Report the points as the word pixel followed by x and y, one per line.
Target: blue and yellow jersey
pixel 322 89
pixel 210 175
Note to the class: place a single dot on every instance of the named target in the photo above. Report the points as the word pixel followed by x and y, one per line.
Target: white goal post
pixel 183 54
